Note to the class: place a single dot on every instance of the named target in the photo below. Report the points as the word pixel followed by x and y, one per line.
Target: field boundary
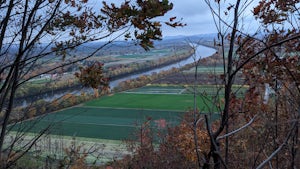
pixel 108 149
pixel 151 93
pixel 99 124
pixel 126 108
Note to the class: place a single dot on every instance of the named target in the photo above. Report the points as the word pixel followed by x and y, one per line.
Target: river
pixel 200 53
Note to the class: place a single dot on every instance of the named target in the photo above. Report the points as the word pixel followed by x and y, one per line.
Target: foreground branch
pixel 237 130
pixel 278 149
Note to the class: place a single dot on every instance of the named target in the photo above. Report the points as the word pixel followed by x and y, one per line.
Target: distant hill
pixel 201 37
pixel 115 47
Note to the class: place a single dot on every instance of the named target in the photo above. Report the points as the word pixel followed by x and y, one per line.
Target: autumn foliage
pixel 92 76
pixel 170 147
pixel 141 17
pixel 36 32
pixel 259 129
pixel 269 62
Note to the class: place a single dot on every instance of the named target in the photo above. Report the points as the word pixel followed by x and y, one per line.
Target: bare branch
pixel 237 130
pixel 297 36
pixel 261 165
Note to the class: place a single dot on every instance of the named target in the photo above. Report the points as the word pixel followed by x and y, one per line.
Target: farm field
pixel 152 53
pixel 118 116
pixel 100 123
pixel 206 69
pixel 174 102
pixel 110 120
pixel 212 90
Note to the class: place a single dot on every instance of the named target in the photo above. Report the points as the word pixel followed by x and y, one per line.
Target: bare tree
pixel 37 32
pixel 257 56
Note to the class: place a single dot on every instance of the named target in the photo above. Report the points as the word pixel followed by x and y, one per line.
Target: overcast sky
pixel 197 15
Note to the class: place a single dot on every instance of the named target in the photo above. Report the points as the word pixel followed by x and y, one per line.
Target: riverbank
pixel 70 96
pixel 63 85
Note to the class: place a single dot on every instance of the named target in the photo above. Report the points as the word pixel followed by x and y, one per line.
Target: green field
pixel 213 90
pixel 40 81
pixel 206 69
pixel 101 123
pixel 208 90
pixel 180 102
pixel 152 89
pixel 119 116
pixel 151 53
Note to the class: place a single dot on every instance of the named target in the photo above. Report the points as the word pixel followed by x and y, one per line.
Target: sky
pixel 195 13
pixel 198 17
